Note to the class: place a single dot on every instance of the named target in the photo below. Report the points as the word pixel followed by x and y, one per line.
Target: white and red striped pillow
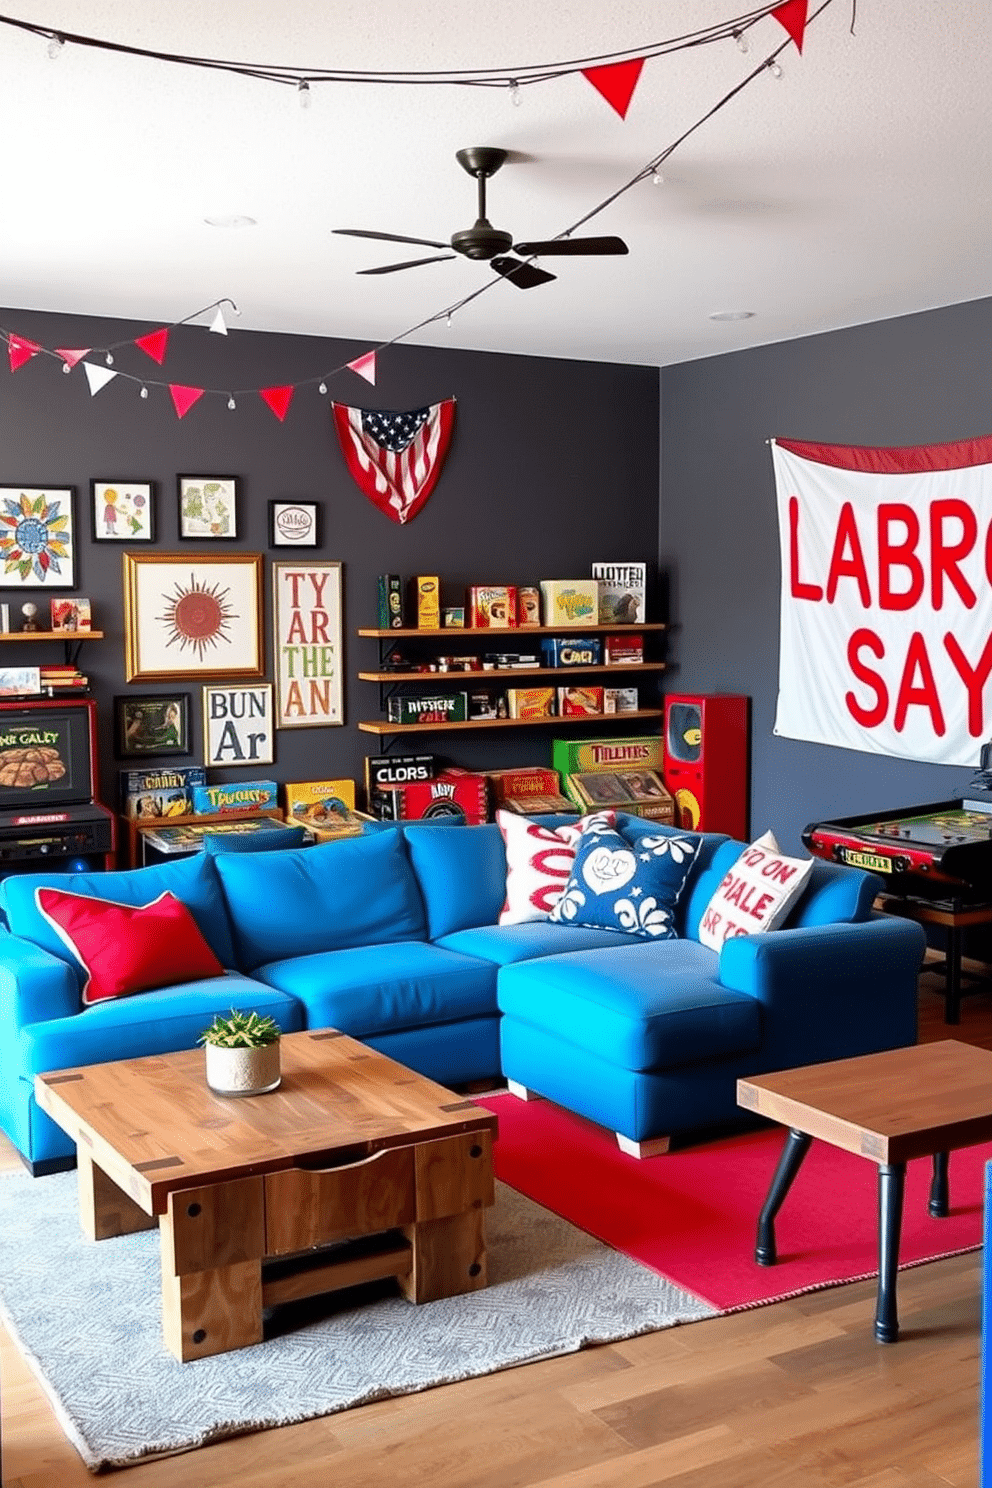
pixel 539 862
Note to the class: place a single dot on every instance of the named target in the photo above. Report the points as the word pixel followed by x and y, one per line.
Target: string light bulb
pixel 143 393
pixel 55 45
pixel 303 93
pixel 447 318
pixel 657 179
pixel 515 98
pixel 322 389
pixel 110 359
pixel 231 403
pixel 742 43
pixel 66 368
pixel 775 70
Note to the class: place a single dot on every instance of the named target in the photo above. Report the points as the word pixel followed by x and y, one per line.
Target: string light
pixel 322 389
pixel 742 43
pixel 775 70
pixel 143 393
pixel 55 46
pixel 657 179
pixel 303 93
pixel 515 98
pixel 110 359
pixel 230 402
pixel 447 318
pixel 66 368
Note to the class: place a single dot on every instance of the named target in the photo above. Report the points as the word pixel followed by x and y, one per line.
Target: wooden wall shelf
pixel 557 721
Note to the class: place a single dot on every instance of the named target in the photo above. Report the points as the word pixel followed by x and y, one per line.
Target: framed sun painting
pixel 192 618
pixel 37 537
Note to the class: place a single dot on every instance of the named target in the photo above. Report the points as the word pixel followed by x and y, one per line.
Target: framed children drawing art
pixel 208 506
pixel 122 511
pixel 192 618
pixel 37 537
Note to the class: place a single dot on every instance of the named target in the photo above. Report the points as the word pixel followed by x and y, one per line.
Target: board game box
pixel 385 770
pixel 642 751
pixel 573 701
pixel 622 592
pixel 531 702
pixel 452 793
pixel 245 795
pixel 639 792
pixel 306 801
pixel 163 792
pixel 570 601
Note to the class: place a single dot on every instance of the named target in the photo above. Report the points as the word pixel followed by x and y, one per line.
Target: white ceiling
pixel 855 188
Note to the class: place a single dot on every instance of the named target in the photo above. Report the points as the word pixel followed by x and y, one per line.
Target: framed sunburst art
pixel 37 537
pixel 184 617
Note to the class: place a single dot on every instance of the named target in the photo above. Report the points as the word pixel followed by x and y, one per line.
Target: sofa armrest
pixel 35 986
pixel 830 991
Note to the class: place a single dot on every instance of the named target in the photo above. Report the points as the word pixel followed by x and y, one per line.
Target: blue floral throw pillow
pixel 633 890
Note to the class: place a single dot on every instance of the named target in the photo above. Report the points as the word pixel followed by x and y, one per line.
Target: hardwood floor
pixel 795 1394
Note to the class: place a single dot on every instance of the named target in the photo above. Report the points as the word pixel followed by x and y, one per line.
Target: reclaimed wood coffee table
pixel 924 1101
pixel 356 1168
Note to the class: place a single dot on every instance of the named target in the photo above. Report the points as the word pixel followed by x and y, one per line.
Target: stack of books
pixel 60 679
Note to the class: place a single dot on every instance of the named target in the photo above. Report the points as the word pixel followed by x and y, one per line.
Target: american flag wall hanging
pixel 395 458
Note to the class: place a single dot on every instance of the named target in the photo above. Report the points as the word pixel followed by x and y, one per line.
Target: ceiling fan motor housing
pixel 481 241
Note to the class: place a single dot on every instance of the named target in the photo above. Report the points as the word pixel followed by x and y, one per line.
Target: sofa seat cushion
pixel 375 989
pixel 648 1006
pixel 157 1022
pixel 506 943
pixel 356 892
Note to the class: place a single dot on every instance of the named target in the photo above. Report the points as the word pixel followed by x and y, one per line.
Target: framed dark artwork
pixel 208 506
pixel 122 511
pixel 37 537
pixel 294 524
pixel 152 724
pixel 189 619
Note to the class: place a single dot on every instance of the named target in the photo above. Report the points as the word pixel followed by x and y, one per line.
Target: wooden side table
pixel 923 1101
pixel 954 919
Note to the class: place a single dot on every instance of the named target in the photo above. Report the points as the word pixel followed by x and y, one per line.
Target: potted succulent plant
pixel 242 1053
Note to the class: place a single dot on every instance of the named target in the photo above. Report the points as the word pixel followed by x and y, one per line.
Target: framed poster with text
pixel 306 643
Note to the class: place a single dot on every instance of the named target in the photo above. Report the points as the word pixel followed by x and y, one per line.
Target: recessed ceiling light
pixel 732 315
pixel 232 221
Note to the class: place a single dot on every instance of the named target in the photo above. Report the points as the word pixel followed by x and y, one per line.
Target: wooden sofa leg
pixel 653 1147
pixel 521 1091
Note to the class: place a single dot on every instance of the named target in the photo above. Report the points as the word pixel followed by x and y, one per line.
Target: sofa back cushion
pixel 192 880
pixel 356 892
pixel 462 875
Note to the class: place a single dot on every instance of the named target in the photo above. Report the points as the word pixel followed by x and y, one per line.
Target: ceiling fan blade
pixel 361 232
pixel 523 275
pixel 412 263
pixel 575 247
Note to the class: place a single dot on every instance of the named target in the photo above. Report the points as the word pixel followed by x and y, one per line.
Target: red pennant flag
pixel 20 351
pixel 616 82
pixel 184 397
pixel 155 344
pixel 364 366
pixel 278 399
pixel 792 15
pixel 72 354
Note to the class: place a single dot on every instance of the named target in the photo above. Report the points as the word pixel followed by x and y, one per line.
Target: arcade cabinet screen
pixel 46 755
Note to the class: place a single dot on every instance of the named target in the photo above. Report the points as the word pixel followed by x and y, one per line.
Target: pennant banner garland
pixel 886 604
pixel 395 458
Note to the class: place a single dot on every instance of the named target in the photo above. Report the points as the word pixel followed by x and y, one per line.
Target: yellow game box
pixel 307 801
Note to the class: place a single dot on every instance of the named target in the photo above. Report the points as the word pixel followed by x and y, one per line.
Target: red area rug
pixel 691 1215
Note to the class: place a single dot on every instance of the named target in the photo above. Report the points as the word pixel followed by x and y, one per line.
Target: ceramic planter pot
pixel 243 1071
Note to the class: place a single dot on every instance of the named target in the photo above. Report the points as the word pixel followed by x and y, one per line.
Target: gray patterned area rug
pixel 87 1317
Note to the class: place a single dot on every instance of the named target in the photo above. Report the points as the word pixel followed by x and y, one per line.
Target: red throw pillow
pixel 128 948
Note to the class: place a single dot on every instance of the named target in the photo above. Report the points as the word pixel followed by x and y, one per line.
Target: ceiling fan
pixel 487 242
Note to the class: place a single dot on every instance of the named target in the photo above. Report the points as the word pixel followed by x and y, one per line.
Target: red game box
pixel 450 794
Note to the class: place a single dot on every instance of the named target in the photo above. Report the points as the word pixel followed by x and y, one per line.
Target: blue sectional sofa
pixel 393 937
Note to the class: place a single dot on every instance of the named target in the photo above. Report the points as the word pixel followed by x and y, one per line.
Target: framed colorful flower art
pixel 37 537
pixel 190 617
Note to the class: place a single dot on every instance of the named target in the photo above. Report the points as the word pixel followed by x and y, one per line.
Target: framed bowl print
pixel 37 537
pixel 122 511
pixel 294 524
pixel 192 618
pixel 306 643
pixel 158 724
pixel 208 506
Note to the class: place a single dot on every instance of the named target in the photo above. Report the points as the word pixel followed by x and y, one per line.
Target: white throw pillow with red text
pixel 754 895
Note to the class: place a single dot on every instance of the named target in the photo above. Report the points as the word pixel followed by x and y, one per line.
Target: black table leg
pixel 939 1206
pixel 797 1145
pixel 891 1184
pixel 952 988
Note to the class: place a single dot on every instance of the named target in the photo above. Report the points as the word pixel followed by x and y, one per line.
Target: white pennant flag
pixel 219 324
pixel 97 377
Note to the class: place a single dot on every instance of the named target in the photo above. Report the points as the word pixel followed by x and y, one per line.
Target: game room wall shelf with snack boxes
pixel 588 626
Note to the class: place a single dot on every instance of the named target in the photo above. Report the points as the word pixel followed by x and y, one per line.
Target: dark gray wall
pixel 913 380
pixel 554 464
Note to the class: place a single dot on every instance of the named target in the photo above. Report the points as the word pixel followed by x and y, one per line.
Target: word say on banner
pixel 237 725
pixel 307 644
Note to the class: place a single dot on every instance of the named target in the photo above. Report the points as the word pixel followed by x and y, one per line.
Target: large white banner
pixel 886 609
